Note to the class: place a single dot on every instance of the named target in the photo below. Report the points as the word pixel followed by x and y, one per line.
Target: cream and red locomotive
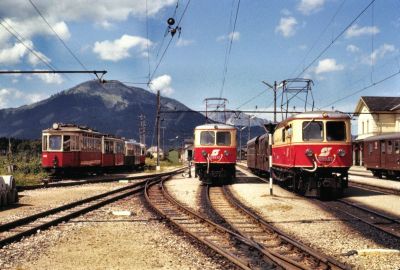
pixel 215 152
pixel 311 153
pixel 71 148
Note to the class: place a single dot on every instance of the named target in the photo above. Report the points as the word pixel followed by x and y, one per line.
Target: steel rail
pixel 382 190
pixel 15 230
pixel 278 245
pixel 230 245
pixel 379 221
pixel 91 181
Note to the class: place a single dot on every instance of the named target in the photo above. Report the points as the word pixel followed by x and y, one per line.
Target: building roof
pixel 379 104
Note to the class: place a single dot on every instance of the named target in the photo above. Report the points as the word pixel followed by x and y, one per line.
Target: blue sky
pixel 273 40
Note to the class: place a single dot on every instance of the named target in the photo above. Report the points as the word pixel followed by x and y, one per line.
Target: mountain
pixel 110 107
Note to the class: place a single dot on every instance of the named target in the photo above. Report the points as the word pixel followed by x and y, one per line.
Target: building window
pixel 362 129
pixel 367 128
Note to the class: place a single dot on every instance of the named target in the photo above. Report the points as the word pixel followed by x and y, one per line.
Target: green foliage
pixel 25 157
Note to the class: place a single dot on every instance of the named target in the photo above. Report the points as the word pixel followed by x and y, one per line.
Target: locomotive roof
pixel 387 136
pixel 214 126
pixel 59 127
pixel 317 115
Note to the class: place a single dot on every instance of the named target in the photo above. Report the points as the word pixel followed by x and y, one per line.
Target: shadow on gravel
pixel 13 206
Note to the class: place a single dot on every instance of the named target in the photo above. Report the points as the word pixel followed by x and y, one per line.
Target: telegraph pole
pixel 158 130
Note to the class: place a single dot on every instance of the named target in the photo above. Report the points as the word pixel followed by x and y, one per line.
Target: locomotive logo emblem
pixel 325 151
pixel 214 152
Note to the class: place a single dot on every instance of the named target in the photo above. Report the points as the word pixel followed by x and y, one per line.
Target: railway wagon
pixel 311 153
pixel 381 155
pixel 257 154
pixel 134 154
pixel 68 148
pixel 215 153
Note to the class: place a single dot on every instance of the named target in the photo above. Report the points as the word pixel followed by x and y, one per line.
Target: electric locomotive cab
pixel 312 152
pixel 214 152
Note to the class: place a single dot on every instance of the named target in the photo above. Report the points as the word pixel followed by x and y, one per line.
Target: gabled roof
pixel 379 104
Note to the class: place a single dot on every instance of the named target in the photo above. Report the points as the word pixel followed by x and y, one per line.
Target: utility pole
pixel 158 130
pixel 142 129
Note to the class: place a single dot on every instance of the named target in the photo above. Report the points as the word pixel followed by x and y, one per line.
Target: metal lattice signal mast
pixel 142 129
pixel 215 105
pixel 292 88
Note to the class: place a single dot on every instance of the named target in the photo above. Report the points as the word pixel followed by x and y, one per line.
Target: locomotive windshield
pixel 55 142
pixel 335 131
pixel 224 138
pixel 313 131
pixel 207 138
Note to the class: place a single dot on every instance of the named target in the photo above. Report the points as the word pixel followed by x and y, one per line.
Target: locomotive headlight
pixel 226 153
pixel 204 153
pixel 341 153
pixel 309 152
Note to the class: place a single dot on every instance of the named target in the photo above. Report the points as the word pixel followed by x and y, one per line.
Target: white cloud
pixel 286 12
pixel 34 60
pixel 119 48
pixel 308 7
pixel 105 25
pixel 233 35
pixel 93 10
pixel 12 55
pixel 162 83
pixel 287 26
pixel 50 78
pixel 327 65
pixel 12 96
pixel 184 42
pixel 356 31
pixel 379 53
pixel 352 48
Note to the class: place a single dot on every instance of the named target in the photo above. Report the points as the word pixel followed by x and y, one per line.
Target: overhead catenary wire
pixel 58 36
pixel 20 38
pixel 335 39
pixel 169 43
pixel 229 48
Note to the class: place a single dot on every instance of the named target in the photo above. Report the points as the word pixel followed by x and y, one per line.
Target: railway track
pixel 382 190
pixel 242 252
pixel 15 230
pixel 75 182
pixel 382 222
pixel 280 247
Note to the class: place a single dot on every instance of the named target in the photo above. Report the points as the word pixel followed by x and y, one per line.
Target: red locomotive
pixel 215 152
pixel 72 148
pixel 311 153
pixel 381 155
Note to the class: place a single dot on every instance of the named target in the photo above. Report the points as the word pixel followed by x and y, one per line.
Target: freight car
pixel 311 153
pixel 381 155
pixel 68 148
pixel 215 153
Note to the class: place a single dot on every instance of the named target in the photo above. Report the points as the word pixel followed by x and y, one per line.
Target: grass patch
pixel 27 169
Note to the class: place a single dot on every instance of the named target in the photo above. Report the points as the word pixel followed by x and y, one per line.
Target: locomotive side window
pixel 55 142
pixel 313 131
pixel 224 138
pixel 207 138
pixel 370 146
pixel 397 147
pixel 335 131
pixel 383 150
pixel 44 143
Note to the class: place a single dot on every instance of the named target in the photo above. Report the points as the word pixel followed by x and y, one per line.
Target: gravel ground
pixel 101 240
pixel 309 223
pixel 38 200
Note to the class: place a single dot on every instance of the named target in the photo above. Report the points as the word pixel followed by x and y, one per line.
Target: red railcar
pixel 71 148
pixel 215 152
pixel 311 153
pixel 135 154
pixel 381 155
